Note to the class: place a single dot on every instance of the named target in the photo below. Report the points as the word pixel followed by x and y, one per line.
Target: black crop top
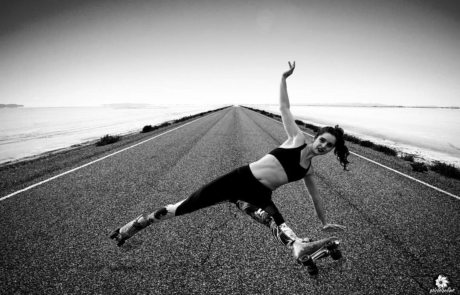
pixel 290 160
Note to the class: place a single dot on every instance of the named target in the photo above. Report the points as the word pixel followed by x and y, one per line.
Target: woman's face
pixel 323 144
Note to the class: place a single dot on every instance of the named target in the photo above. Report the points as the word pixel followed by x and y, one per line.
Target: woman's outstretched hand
pixel 331 227
pixel 290 71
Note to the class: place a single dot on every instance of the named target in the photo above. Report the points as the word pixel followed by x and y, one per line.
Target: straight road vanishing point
pixel 400 234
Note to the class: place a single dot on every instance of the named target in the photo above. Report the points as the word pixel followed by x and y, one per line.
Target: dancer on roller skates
pixel 250 187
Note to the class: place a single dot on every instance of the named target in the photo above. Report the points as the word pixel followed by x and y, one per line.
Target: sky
pixel 90 53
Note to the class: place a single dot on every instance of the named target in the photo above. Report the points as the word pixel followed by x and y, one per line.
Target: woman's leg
pixel 217 191
pixel 131 228
pixel 280 231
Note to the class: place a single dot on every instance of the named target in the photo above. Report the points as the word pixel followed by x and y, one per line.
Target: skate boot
pixel 133 227
pixel 130 229
pixel 285 235
pixel 302 249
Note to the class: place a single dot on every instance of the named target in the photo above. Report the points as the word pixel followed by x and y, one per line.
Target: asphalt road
pixel 400 234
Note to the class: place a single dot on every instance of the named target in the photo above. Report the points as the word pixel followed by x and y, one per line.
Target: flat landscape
pixel 400 234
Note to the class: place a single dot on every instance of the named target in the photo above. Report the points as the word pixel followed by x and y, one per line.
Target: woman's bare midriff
pixel 269 172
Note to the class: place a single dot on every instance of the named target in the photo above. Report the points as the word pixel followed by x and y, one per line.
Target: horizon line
pixel 234 103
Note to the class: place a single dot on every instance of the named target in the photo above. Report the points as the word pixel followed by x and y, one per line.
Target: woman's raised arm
pixel 290 126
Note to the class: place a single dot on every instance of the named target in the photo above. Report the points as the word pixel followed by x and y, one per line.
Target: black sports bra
pixel 290 160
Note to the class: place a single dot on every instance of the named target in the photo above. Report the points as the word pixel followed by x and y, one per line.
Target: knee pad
pixel 246 207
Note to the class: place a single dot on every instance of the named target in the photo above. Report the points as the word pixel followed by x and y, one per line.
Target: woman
pixel 250 187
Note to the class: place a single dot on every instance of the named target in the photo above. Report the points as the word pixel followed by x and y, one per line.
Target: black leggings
pixel 240 184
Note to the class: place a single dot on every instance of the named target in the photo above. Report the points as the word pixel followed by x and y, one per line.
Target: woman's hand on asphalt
pixel 332 227
pixel 290 71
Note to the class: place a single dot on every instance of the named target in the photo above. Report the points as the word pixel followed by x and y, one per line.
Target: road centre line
pixel 95 161
pixel 386 167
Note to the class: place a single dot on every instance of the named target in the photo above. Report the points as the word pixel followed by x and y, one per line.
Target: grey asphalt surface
pixel 400 234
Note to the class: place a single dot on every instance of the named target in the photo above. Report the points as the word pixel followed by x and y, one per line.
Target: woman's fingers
pixel 290 71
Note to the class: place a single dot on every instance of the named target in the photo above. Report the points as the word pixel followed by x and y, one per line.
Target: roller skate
pixel 308 253
pixel 133 227
pixel 130 229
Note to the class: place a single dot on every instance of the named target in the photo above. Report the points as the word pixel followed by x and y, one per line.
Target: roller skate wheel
pixel 312 270
pixel 114 234
pixel 336 254
pixel 306 260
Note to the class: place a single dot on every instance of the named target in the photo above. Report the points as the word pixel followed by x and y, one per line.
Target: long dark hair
pixel 341 150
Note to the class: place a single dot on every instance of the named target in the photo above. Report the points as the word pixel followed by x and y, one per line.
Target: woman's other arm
pixel 318 202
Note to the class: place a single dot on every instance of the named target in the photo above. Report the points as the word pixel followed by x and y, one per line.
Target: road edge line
pixel 95 161
pixel 391 169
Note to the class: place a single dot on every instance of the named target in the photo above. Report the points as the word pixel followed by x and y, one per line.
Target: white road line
pixel 90 163
pixel 391 169
pixel 410 177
